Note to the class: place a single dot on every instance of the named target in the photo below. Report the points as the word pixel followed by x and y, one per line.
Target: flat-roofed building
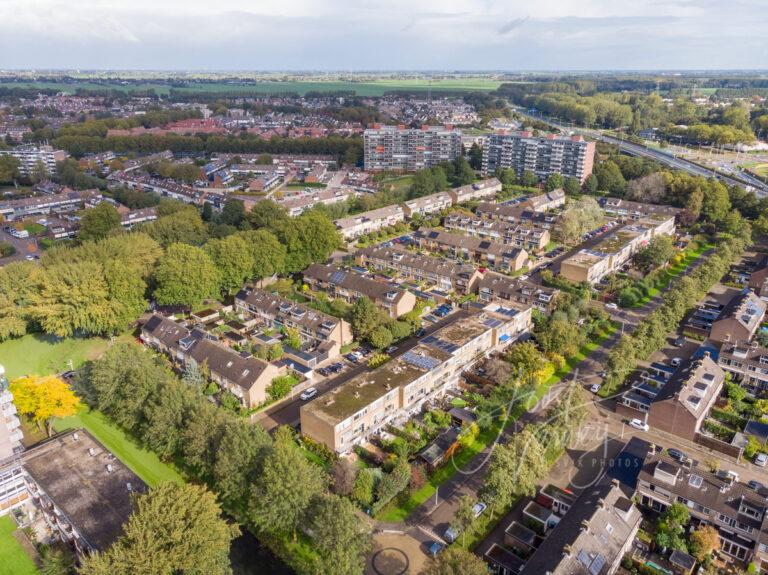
pixel 42 205
pixel 446 275
pixel 739 319
pixel 347 415
pixel 526 236
pixel 372 221
pixel 83 491
pixel 482 190
pixel 427 205
pixel 298 204
pixel 628 210
pixel 479 251
pixel 276 312
pixel 570 156
pixel 31 156
pixel 409 149
pixel 350 286
pixel 613 251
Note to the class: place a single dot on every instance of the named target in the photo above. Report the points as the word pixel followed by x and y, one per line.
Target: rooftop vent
pixel 110 469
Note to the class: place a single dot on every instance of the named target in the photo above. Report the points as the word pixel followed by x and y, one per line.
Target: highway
pixel 633 149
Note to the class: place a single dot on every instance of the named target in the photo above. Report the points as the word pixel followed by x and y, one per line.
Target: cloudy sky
pixel 384 34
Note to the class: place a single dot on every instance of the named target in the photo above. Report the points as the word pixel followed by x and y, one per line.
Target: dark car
pixel 756 485
pixel 677 454
pixel 680 341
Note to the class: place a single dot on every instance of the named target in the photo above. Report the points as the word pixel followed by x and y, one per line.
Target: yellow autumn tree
pixel 44 398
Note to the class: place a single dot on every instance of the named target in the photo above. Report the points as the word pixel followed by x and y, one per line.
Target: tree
pixel 267 214
pixel 465 516
pixel 9 169
pixel 341 539
pixel 233 213
pixel 528 363
pixel 670 529
pixel 591 184
pixel 529 179
pixel 292 337
pixel 267 253
pixel 716 204
pixel 280 387
pixel 311 237
pixel 560 336
pixel 651 189
pixel 380 337
pixel 610 178
pixel 56 560
pixel 463 172
pixel 476 156
pixel 578 218
pixel 185 275
pixel 363 490
pixel 285 488
pixel 364 317
pixel 704 541
pixel 181 226
pixel 43 399
pixel 554 181
pixel 455 561
pixel 193 375
pixel 97 223
pixel 658 252
pixel 572 186
pixel 233 260
pixel 173 529
pixel 344 476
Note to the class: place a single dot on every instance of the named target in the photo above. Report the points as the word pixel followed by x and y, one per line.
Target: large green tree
pixel 185 275
pixel 233 259
pixel 340 536
pixel 455 561
pixel 267 252
pixel 173 529
pixel 99 222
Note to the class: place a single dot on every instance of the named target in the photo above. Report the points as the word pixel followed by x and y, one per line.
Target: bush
pixel 229 401
pixel 6 249
pixel 281 386
pixel 377 359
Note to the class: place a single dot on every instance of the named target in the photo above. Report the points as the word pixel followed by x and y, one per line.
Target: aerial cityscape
pixel 339 289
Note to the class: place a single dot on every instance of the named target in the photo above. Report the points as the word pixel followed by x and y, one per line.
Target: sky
pixel 341 35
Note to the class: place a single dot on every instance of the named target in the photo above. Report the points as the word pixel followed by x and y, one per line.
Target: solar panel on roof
pixel 338 276
pixel 584 558
pixel 420 361
pixel 491 322
pixel 597 565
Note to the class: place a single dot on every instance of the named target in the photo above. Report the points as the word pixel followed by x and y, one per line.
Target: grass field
pixel 761 169
pixel 143 462
pixel 13 559
pixel 42 354
pixel 374 87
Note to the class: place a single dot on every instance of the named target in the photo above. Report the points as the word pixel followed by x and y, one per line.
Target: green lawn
pixel 398 512
pixel 13 558
pixel 142 461
pixel 40 354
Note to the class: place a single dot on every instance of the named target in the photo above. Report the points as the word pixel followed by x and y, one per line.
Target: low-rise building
pixel 367 222
pixel 758 279
pixel 485 189
pixel 503 288
pixel 446 275
pixel 593 264
pixel 350 286
pixel 483 252
pixel 748 363
pixel 526 236
pixel 140 216
pixel 736 511
pixel 679 405
pixel 350 413
pixel 42 205
pixel 246 376
pixel 315 328
pixel 739 319
pixel 515 213
pixel 427 205
pixel 297 205
pixel 628 210
pixel 545 202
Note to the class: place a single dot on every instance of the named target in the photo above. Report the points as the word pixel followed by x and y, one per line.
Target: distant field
pixel 369 88
pixel 761 169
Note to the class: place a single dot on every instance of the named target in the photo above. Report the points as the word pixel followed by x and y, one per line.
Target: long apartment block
pixel 499 287
pixel 409 149
pixel 276 312
pixel 30 157
pixel 350 286
pixel 570 156
pixel 445 275
pixel 372 221
pixel 526 236
pixel 393 392
pixel 593 264
pixel 492 254
pixel 483 190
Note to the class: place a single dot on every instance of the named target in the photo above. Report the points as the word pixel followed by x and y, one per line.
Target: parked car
pixel 450 535
pixel 676 361
pixel 677 454
pixel 435 548
pixel 308 393
pixel 680 341
pixel 756 485
pixel 324 371
pixel 595 387
pixel 351 357
pixel 611 306
pixel 391 349
pixel 761 460
pixel 478 508
pixel 421 332
pixel 639 424
pixel 728 475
